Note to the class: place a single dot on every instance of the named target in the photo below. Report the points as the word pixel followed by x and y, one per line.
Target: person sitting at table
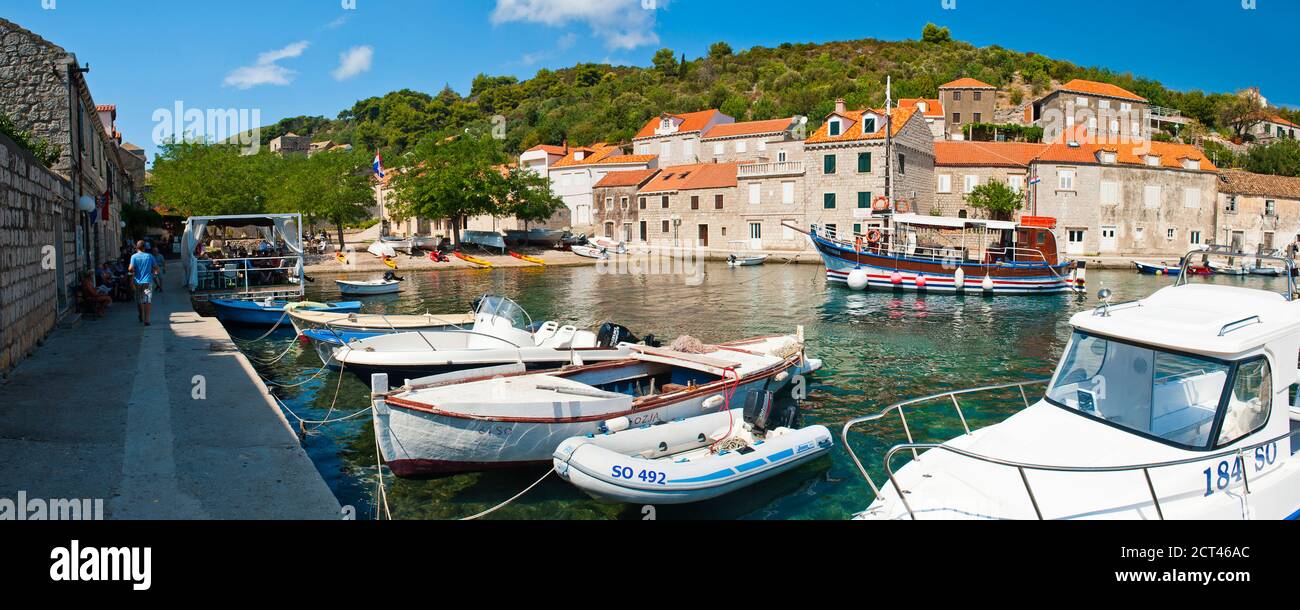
pixel 94 299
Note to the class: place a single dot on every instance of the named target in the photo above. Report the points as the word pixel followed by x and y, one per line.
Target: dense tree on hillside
pixel 1281 158
pixel 934 33
pixel 720 50
pixel 665 61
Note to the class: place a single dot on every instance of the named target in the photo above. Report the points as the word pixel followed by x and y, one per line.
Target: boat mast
pixel 889 142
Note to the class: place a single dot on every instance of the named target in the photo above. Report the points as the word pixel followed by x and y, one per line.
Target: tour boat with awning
pixel 950 255
pixel 1177 406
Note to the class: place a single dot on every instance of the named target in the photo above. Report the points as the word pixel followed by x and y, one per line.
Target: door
pixel 1109 243
pixel 584 215
pixel 1075 240
pixel 704 236
pixel 643 231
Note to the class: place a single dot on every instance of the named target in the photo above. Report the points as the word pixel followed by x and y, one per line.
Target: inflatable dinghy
pixel 684 461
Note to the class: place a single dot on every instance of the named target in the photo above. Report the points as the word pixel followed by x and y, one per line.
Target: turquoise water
pixel 878 347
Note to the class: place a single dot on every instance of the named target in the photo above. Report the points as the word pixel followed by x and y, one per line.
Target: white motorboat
pixel 382 250
pixel 502 333
pixel 400 244
pixel 1223 269
pixel 589 252
pixel 1172 407
pixel 609 245
pixel 689 460
pixel 369 288
pixel 422 242
pixel 1266 271
pixel 754 260
pixel 505 417
pixel 377 323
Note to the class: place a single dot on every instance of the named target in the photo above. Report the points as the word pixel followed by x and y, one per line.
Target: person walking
pixel 160 266
pixel 143 268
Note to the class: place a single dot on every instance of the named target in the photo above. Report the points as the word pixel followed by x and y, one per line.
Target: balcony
pixel 779 168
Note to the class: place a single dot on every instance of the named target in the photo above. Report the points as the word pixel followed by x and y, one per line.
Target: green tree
pixel 204 179
pixel 335 187
pixel 720 50
pixel 452 177
pixel 665 61
pixel 935 34
pixel 529 197
pixel 998 199
pixel 1240 114
pixel 1281 158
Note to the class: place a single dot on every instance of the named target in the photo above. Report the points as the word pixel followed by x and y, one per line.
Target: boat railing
pixel 944 254
pixel 212 269
pixel 1227 251
pixel 1023 468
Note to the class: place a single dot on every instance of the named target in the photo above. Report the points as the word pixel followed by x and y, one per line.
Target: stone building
pixel 574 176
pixel 291 144
pixel 1107 113
pixel 959 167
pixel 1272 127
pixel 932 110
pixel 1257 212
pixel 675 138
pixel 847 169
pixel 1155 198
pixel 966 101
pixel 45 93
pixel 617 206
pixel 692 205
pixel 774 141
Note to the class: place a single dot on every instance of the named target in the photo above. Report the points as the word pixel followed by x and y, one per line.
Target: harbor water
pixel 878 347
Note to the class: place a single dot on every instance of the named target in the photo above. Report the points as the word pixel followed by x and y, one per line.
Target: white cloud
pixel 565 43
pixel 267 71
pixel 337 23
pixel 622 24
pixel 354 61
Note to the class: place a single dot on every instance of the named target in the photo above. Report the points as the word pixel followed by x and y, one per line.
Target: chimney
pixel 839 106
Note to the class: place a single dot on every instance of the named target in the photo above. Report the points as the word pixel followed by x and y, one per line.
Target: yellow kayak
pixel 474 261
pixel 341 258
pixel 531 259
pixel 391 262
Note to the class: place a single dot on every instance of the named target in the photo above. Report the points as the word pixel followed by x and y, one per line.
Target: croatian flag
pixel 379 166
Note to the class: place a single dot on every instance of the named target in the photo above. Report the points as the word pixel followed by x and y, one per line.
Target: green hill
pixel 593 102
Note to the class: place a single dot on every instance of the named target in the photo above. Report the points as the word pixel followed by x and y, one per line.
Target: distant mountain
pixel 600 103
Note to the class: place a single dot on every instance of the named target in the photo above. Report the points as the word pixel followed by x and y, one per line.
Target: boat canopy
pixel 948 222
pixel 276 229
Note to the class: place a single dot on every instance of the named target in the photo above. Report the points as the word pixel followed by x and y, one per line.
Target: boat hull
pixel 255 314
pixel 535 359
pixel 420 441
pixel 367 290
pixel 1146 269
pixel 898 273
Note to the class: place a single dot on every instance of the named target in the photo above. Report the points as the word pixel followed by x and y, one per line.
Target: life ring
pixel 902 207
pixel 880 204
pixel 873 236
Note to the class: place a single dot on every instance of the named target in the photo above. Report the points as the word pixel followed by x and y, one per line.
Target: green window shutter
pixel 864 200
pixel 857 229
pixel 834 128
pixel 829 201
pixel 869 126
pixel 864 163
pixel 828 164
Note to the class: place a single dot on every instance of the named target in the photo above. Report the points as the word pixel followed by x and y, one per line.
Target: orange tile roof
pixel 1103 89
pixel 853 133
pixel 933 108
pixel 1273 118
pixel 748 128
pixel 635 177
pixel 105 108
pixel 591 154
pixel 549 149
pixel 988 154
pixel 967 83
pixel 1237 182
pixel 691 121
pixel 1171 155
pixel 692 177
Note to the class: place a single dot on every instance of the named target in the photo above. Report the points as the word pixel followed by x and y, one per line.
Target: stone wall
pixel 37 227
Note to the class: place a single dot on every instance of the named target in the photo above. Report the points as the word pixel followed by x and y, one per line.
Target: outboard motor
pixel 392 277
pixel 758 409
pixel 611 334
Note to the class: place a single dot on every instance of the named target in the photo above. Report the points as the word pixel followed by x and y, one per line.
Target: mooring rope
pixel 511 500
pixel 322 422
pixel 277 359
pixel 314 377
pixel 268 333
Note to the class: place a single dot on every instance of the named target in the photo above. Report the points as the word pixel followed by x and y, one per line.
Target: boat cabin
pixel 1181 405
pixel 252 257
pixel 971 240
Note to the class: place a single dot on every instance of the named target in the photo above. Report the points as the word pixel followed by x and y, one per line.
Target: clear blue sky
pixel 284 57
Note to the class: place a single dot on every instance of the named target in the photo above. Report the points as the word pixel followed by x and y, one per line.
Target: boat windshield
pixel 1169 396
pixel 504 308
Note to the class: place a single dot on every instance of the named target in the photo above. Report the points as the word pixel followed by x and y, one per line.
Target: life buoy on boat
pixel 880 204
pixel 873 236
pixel 902 207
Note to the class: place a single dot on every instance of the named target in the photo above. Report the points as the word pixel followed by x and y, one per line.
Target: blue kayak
pixel 262 313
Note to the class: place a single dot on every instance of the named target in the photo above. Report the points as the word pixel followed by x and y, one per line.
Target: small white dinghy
pixel 370 288
pixel 586 252
pixel 683 461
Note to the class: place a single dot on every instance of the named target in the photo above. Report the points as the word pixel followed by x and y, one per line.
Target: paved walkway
pixel 105 410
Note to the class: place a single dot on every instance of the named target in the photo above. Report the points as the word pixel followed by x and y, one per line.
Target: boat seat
pixel 547 331
pixel 562 339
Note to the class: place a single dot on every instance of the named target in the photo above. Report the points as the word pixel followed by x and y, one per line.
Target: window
pixel 664 226
pixel 664 202
pixel 1017 183
pixel 833 128
pixel 828 164
pixel 688 149
pixel 1114 126
pixel 969 183
pixel 781 157
pixel 828 201
pixel 1170 234
pixel 1109 193
pixel 857 229
pixel 756 230
pixel 1194 238
pixel 869 125
pixel 609 203
pixel 1136 128
pixel 1153 161
pixel 979 117
pixel 1249 403
pixel 695 202
pixel 864 200
pixel 1103 104
pixel 864 163
pixel 665 151
pixel 1171 397
pixel 762 145
pixel 978 96
pixel 755 192
pixel 902 164
pixel 742 146
pixel 717 202
pixel 1191 198
pixel 1232 204
pixel 945 183
pixel 1125 107
pixel 832 230
pixel 1151 195
pixel 1270 207
pixel 1065 179
pixel 641 203
pixel 956 118
pixel 956 96
pixel 1081 102
pixel 719 149
pixel 787 192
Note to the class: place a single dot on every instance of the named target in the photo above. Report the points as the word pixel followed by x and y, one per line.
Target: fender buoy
pixel 959 279
pixel 858 279
pixel 988 283
pixel 896 278
pixel 920 281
